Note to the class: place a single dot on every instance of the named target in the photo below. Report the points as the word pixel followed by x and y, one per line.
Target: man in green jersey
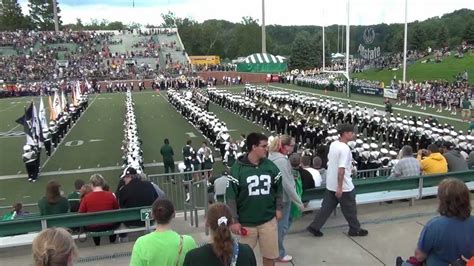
pixel 168 161
pixel 254 195
pixel 466 109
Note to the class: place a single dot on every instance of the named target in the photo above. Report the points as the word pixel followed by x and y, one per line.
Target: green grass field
pixel 430 71
pixel 93 144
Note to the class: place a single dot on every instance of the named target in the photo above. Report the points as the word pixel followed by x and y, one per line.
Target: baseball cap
pixel 128 171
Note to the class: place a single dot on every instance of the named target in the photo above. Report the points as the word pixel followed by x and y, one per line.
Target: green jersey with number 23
pixel 254 189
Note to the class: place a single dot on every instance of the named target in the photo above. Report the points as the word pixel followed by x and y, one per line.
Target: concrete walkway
pixel 393 231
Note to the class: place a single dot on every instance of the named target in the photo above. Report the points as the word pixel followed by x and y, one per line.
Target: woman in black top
pixel 224 250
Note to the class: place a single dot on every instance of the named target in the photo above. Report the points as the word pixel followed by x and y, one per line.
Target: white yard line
pixel 13 128
pixel 69 131
pixel 373 104
pixel 88 170
pixel 8 108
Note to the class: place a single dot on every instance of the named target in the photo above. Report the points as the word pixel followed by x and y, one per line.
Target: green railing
pixel 36 223
pixel 377 184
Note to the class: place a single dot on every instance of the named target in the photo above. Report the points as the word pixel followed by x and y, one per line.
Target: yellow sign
pixel 205 60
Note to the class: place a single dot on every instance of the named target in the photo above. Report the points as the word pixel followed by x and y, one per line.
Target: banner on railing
pixel 367 90
pixel 390 93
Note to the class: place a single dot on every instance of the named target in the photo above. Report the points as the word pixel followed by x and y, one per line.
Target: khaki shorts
pixel 267 237
pixel 466 113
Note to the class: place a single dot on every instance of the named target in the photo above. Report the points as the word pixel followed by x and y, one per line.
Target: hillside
pixel 429 71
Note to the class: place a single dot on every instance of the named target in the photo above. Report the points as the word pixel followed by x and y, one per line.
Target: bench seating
pixel 22 231
pixel 381 189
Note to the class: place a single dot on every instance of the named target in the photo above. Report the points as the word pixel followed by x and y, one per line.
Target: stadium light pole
pixel 55 13
pixel 347 49
pixel 324 50
pixel 405 44
pixel 264 37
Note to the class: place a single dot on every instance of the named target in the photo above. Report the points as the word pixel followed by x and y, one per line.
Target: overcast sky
pixel 281 12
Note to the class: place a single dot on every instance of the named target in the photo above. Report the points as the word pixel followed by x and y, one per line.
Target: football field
pixel 93 143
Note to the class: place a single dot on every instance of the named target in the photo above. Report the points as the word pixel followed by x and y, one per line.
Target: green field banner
pixel 367 90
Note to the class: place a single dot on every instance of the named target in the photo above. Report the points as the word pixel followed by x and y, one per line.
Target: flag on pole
pixel 56 104
pixel 36 127
pixel 42 116
pixel 75 94
pixel 52 112
pixel 25 120
pixel 63 101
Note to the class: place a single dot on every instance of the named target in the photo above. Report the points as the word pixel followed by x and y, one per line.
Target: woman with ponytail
pixel 280 148
pixel 54 247
pixel 224 250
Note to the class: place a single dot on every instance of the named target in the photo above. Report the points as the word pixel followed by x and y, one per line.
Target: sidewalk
pixel 393 231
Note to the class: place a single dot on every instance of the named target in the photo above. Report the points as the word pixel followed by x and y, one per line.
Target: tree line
pixel 301 44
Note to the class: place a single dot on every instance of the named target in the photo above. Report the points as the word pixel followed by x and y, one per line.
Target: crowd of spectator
pixel 45 57
pixel 296 173
pixel 219 67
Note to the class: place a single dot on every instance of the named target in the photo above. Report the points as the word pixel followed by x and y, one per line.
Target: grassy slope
pixel 430 71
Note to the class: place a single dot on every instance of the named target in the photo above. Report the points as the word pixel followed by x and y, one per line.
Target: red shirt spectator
pixel 96 201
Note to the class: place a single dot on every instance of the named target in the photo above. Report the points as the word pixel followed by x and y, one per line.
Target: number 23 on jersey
pixel 259 185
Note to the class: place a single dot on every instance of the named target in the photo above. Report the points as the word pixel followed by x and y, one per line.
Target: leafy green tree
pixel 418 38
pixel 11 16
pixel 443 36
pixel 171 20
pixel 306 51
pixel 468 33
pixel 42 14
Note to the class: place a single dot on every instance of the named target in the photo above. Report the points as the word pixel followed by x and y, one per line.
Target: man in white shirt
pixel 339 186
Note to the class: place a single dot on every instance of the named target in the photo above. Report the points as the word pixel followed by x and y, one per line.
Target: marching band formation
pixel 41 136
pixel 312 122
pixel 131 144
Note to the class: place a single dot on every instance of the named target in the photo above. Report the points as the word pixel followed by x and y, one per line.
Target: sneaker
pixel 399 261
pixel 30 179
pixel 315 233
pixel 188 197
pixel 286 258
pixel 34 180
pixel 361 232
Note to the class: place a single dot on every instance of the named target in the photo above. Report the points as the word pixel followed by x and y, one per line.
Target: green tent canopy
pixel 262 63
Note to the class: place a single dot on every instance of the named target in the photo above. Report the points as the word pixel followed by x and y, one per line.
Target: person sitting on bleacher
pixel 54 246
pixel 74 198
pixel 407 165
pixel 164 246
pixel 53 202
pixel 223 249
pixel 135 193
pixel 96 201
pixel 17 212
pixel 431 160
